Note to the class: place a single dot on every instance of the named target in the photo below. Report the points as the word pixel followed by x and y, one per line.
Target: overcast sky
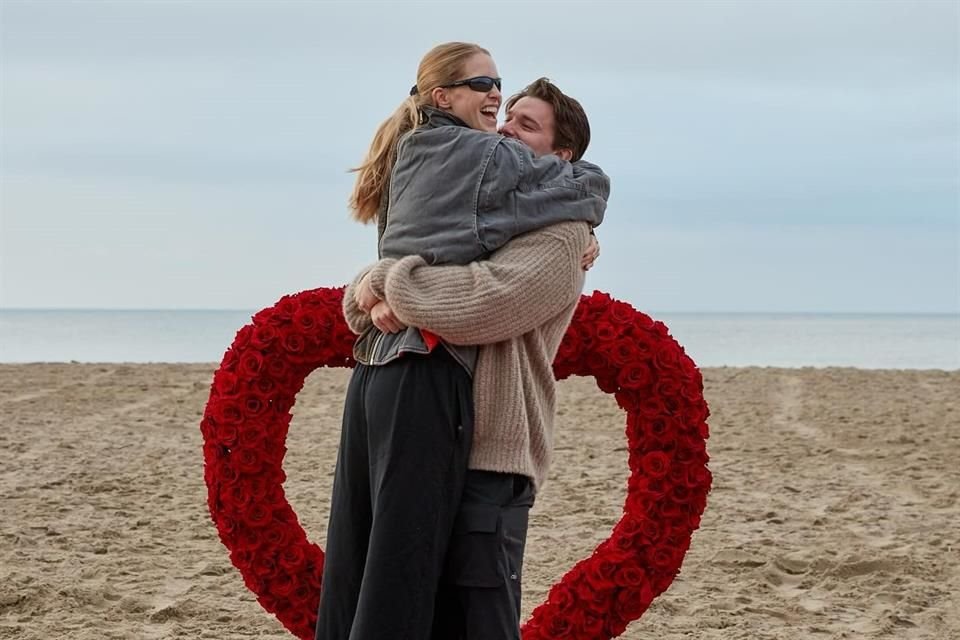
pixel 764 156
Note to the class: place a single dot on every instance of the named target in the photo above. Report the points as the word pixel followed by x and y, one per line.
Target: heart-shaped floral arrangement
pixel 630 355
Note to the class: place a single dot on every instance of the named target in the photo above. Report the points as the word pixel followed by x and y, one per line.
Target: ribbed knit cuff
pixel 378 277
pixel 396 277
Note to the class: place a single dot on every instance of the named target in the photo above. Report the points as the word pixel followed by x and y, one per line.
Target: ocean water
pixel 869 341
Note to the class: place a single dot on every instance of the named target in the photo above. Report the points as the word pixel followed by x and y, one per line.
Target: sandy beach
pixel 835 511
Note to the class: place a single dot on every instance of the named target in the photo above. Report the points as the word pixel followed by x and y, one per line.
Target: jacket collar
pixel 434 117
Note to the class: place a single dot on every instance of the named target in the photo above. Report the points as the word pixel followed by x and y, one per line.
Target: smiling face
pixel 476 108
pixel 532 121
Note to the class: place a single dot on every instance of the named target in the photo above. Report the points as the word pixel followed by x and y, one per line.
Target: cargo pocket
pixel 475 552
pixel 514 527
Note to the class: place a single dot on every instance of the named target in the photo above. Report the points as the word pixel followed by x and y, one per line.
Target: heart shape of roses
pixel 629 354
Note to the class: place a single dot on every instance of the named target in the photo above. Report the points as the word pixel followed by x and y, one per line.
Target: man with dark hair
pixel 548 121
pixel 516 305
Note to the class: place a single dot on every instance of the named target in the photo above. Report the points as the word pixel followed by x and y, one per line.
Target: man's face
pixel 531 121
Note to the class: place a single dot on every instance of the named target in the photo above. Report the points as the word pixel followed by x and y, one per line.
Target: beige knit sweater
pixel 517 305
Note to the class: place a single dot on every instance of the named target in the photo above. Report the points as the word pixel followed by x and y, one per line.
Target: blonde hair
pixel 441 66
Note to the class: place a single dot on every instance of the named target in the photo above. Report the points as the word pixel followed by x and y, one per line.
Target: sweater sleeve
pixel 520 287
pixel 357 320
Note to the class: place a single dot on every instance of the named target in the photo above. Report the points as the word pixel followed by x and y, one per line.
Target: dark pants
pixel 479 597
pixel 405 441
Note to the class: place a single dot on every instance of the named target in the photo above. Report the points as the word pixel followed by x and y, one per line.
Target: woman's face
pixel 477 108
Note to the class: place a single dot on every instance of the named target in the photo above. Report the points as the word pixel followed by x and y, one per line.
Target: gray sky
pixel 764 156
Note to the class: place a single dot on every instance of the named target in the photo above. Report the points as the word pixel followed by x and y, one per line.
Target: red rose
pixel 226 525
pixel 227 473
pixel 253 405
pixel 309 321
pixel 250 363
pixel 248 540
pixel 624 352
pixel 598 361
pixel 264 567
pixel 587 339
pixel 303 595
pixel 667 387
pixel 299 619
pixel 624 543
pixel 242 338
pixel 562 597
pixel 630 576
pixel 668 510
pixel 598 578
pixel 649 530
pixel 263 336
pixel 645 344
pixel 633 602
pixel 251 436
pixel 570 347
pixel 227 412
pixel 655 464
pixel 605 331
pixel 242 559
pixel 286 307
pixel 277 368
pixel 621 313
pixel 635 375
pixel 257 516
pixel 662 557
pixel 276 537
pixel 226 383
pixel 265 388
pixel 282 585
pixel 249 461
pixel 293 342
pixel 651 406
pixel 226 434
pixel 557 627
pixel 660 329
pixel 292 558
pixel 592 624
pixel 237 496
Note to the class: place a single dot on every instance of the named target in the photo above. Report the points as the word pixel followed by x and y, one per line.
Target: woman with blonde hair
pixel 443 186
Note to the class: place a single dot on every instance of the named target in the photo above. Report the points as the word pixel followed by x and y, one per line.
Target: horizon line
pixel 658 311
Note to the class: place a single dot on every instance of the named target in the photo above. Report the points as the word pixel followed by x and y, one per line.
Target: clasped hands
pixel 379 311
pixel 385 319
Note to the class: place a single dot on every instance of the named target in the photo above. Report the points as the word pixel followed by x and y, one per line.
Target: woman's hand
pixel 591 254
pixel 364 296
pixel 384 319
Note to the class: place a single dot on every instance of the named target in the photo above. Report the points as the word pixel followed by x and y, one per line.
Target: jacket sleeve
pixel 521 192
pixel 520 287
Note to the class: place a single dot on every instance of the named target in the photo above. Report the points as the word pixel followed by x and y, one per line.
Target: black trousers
pixel 479 596
pixel 407 428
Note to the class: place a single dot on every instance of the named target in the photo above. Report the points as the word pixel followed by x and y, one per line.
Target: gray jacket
pixel 457 194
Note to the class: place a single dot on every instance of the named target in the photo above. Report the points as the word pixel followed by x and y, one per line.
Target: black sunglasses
pixel 483 84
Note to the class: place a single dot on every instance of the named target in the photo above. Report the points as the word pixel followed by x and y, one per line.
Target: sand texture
pixel 834 512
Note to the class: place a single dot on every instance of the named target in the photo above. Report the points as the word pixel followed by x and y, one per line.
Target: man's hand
pixel 383 318
pixel 364 296
pixel 591 254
